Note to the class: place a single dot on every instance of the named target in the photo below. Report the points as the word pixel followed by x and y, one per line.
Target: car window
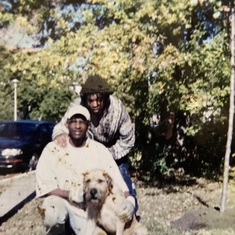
pixel 3 130
pixel 17 130
pixel 45 133
pixel 27 131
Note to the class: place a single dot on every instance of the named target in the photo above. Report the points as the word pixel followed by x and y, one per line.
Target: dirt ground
pixel 178 209
pixel 188 209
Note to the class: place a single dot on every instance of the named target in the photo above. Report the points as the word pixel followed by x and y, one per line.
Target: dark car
pixel 21 143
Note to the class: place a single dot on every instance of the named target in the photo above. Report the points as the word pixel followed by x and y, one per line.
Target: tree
pixel 6 87
pixel 231 117
pixel 162 57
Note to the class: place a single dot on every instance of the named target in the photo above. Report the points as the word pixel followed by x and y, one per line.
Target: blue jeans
pixel 124 169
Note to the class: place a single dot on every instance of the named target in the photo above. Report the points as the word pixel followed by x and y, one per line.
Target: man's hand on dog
pixel 128 209
pixel 76 194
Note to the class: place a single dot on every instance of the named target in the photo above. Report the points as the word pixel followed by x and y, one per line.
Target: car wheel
pixel 33 162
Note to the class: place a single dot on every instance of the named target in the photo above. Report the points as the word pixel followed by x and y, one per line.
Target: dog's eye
pixel 100 181
pixel 87 181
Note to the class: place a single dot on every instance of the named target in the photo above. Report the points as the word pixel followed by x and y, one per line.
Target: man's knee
pixel 55 212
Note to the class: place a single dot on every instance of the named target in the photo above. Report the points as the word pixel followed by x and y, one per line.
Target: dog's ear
pixel 85 174
pixel 85 177
pixel 109 181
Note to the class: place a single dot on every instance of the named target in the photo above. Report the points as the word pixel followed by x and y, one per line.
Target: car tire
pixel 33 162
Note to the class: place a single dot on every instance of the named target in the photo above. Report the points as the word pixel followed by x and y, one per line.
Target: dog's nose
pixel 93 192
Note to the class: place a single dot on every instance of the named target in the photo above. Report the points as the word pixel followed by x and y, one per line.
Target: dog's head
pixel 97 186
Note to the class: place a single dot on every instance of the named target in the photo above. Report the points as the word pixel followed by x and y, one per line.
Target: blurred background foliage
pixel 167 60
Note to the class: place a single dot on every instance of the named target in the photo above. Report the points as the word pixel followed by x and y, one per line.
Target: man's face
pixel 77 126
pixel 95 102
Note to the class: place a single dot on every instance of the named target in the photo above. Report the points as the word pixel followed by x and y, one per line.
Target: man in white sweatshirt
pixel 59 176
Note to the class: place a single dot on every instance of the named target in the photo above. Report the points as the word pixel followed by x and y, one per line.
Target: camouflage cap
pixel 96 84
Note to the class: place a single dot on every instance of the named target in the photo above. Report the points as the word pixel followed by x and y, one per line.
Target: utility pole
pixel 15 82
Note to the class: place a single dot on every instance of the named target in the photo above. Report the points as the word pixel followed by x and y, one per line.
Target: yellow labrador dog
pixel 104 201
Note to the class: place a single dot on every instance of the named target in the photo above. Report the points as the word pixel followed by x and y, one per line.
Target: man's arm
pixel 128 207
pixel 60 128
pixel 74 195
pixel 60 193
pixel 47 179
pixel 126 139
pixel 45 171
pixel 110 166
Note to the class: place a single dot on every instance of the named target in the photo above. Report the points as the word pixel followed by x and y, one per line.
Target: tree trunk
pixel 230 123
